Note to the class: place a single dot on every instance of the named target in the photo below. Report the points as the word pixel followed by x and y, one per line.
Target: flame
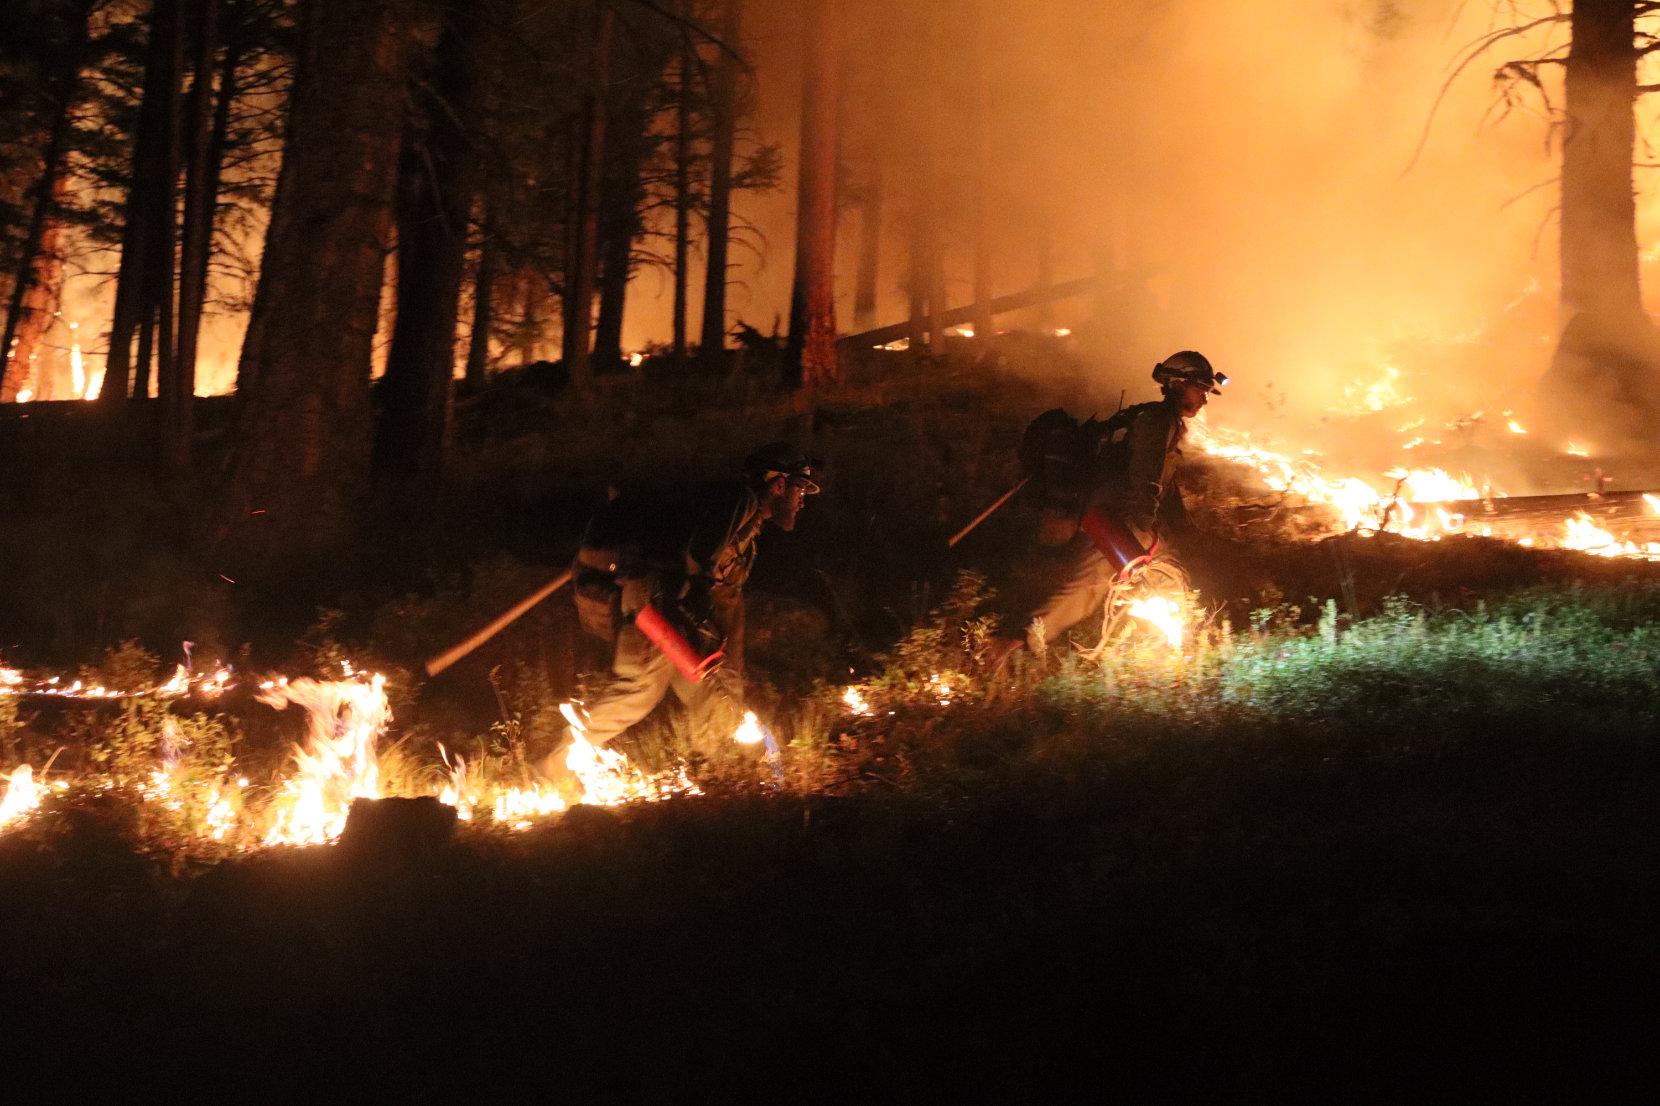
pixel 218 805
pixel 749 731
pixel 182 682
pixel 1574 449
pixel 1063 332
pixel 23 794
pixel 1163 613
pixel 1360 506
pixel 1582 533
pixel 1516 427
pixel 607 778
pixel 1357 504
pixel 856 701
pixel 339 765
pixel 1380 395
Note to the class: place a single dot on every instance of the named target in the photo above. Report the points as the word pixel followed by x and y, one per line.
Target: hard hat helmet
pixel 1189 367
pixel 782 459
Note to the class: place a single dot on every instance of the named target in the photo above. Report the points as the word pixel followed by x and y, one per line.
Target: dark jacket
pixel 1139 485
pixel 691 556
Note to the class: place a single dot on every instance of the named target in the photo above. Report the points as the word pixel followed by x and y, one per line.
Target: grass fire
pixel 839 550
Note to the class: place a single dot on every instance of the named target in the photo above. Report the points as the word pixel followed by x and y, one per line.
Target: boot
pixel 551 772
pixel 999 652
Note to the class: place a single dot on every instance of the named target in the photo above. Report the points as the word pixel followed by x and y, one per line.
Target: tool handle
pixel 987 513
pixel 497 625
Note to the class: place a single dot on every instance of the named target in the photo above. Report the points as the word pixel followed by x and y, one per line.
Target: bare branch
pixel 1472 52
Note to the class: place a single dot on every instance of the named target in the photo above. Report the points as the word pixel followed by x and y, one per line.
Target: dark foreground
pixel 1468 915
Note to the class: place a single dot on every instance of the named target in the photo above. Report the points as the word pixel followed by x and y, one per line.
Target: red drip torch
pixel 1117 543
pixel 692 664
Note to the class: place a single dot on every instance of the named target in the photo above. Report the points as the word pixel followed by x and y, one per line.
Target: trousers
pixel 641 677
pixel 1085 582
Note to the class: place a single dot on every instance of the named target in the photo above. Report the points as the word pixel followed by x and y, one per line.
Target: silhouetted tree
pixel 811 355
pixel 435 201
pixel 1607 363
pixel 296 479
pixel 64 31
pixel 724 108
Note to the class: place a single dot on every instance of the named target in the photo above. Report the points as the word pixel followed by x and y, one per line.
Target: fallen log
pixel 956 316
pixel 1519 507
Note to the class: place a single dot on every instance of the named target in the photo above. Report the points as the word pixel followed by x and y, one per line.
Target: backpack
pixel 1068 460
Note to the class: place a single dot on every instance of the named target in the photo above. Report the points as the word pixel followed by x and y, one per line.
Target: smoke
pixel 1240 172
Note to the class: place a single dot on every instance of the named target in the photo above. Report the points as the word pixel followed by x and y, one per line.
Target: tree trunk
pixel 1605 372
pixel 683 188
pixel 484 285
pixel 1599 238
pixel 616 267
pixel 928 179
pixel 146 218
pixel 42 295
pixel 1046 267
pixel 983 281
pixel 200 199
pixel 584 253
pixel 722 144
pixel 296 478
pixel 64 92
pixel 620 223
pixel 162 255
pixel 916 280
pixel 866 285
pixel 434 205
pixel 812 346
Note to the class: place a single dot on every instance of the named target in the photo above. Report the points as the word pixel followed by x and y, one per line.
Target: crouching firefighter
pixel 1109 493
pixel 662 587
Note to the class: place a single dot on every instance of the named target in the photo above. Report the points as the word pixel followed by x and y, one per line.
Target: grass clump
pixel 1570 654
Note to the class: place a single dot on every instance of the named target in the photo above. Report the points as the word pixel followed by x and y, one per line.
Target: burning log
pixel 1629 505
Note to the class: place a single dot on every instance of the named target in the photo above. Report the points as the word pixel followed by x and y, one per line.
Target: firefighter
pixel 689 562
pixel 1124 468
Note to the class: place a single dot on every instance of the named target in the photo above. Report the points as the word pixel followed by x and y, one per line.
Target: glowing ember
pixel 339 764
pixel 1163 613
pixel 23 795
pixel 940 686
pixel 182 682
pixel 856 701
pixel 1516 427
